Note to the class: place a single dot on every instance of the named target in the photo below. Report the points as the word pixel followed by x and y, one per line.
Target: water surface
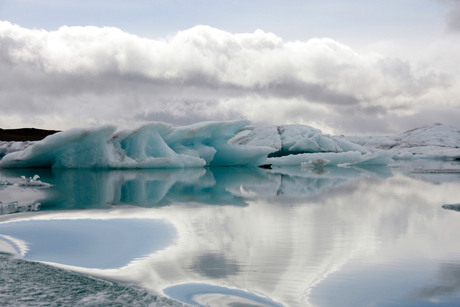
pixel 241 236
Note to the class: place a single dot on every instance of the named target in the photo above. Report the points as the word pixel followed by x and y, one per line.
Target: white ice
pixel 294 139
pixel 11 146
pixel 435 141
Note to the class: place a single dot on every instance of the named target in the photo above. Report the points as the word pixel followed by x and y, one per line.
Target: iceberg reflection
pixel 91 189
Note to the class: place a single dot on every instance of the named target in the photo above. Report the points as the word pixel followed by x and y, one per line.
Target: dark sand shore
pixel 24 134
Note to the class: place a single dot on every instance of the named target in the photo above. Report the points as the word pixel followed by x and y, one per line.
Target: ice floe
pixel 16 207
pixel 32 182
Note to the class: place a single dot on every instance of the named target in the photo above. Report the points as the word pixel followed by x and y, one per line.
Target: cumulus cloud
pixel 88 75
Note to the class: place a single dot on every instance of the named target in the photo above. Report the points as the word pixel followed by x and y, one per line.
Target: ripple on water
pixel 210 295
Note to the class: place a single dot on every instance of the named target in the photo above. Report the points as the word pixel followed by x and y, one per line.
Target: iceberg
pixel 295 139
pixel 229 143
pixel 154 145
pixel 434 141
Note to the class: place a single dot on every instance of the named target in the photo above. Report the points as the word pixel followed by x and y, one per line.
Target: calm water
pixel 232 237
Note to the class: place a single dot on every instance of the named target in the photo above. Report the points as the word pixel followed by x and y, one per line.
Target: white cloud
pixel 85 75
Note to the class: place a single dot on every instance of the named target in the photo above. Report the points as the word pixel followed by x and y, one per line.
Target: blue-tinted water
pixel 90 243
pixel 232 237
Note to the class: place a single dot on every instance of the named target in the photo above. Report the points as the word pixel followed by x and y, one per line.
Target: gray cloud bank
pixel 79 76
pixel 453 15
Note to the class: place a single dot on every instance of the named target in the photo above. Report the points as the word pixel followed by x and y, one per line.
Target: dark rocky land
pixel 24 134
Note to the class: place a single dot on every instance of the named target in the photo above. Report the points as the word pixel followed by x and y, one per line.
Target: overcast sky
pixel 346 67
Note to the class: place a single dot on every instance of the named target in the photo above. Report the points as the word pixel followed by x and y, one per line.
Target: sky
pixel 345 67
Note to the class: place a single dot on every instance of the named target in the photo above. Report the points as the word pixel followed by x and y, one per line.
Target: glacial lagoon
pixel 231 236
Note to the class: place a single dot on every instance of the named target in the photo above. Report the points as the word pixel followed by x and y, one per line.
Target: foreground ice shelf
pixel 232 143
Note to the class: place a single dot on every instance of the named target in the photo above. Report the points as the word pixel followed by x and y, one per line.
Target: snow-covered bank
pixel 231 143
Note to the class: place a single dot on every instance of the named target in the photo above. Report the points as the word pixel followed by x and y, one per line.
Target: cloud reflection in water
pixel 278 233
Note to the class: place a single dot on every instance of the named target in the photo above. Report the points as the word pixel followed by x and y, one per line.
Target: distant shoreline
pixel 24 134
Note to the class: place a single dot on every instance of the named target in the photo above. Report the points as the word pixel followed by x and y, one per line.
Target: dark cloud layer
pixel 453 15
pixel 453 19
